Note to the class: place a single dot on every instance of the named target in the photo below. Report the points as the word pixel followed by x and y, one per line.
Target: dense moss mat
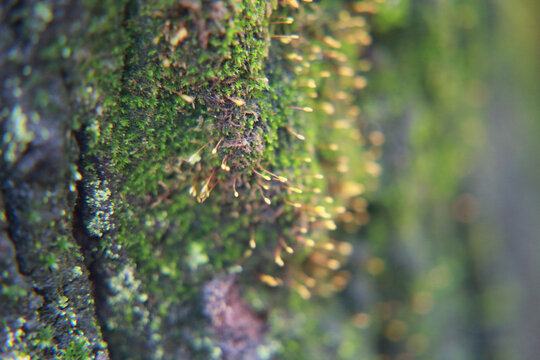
pixel 202 151
pixel 212 174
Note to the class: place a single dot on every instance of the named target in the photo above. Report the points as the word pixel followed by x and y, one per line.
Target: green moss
pixel 152 140
pixel 78 349
pixel 200 140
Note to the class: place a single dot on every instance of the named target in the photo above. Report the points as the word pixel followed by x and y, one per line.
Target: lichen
pixel 17 135
pixel 100 208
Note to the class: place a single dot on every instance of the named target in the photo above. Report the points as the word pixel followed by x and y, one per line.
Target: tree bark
pixel 86 245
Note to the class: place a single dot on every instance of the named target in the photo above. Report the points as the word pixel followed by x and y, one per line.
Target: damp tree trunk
pixel 111 243
pixel 174 173
pixel 161 161
pixel 73 74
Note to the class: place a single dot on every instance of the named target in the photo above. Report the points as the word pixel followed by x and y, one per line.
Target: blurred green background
pixel 449 265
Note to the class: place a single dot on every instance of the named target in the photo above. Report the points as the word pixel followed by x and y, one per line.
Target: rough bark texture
pixel 47 305
pixel 59 241
pixel 137 144
pixel 178 177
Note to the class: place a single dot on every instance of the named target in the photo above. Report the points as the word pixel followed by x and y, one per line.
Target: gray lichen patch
pixel 17 135
pixel 100 208
pixel 126 314
pixel 125 289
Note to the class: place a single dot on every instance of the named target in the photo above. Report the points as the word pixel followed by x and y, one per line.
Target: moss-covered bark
pixel 157 154
pixel 47 306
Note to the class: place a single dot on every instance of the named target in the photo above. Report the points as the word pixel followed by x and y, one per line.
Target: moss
pixel 196 122
pixel 208 112
pixel 169 107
